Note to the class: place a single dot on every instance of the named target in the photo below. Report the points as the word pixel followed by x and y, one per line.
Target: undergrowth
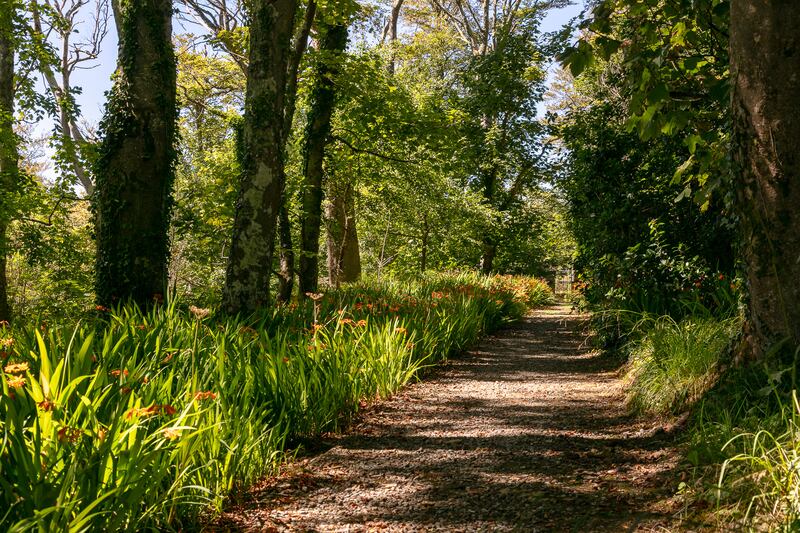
pixel 131 420
pixel 742 442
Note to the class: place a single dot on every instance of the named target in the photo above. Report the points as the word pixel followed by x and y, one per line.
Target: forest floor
pixel 526 432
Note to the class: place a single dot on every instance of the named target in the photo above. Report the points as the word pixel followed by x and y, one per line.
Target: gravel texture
pixel 527 432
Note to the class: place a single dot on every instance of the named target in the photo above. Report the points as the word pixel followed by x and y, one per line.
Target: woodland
pixel 291 209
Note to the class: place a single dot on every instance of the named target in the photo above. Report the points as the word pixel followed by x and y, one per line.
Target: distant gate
pixel 564 281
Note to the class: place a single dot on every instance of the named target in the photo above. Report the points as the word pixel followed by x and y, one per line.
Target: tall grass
pixel 136 420
pixel 674 363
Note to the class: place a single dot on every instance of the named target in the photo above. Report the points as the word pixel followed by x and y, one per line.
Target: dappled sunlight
pixel 526 432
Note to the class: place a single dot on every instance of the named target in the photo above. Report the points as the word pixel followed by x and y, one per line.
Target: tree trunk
pixel 323 97
pixel 390 31
pixel 286 252
pixel 765 62
pixel 423 256
pixel 249 264
pixel 344 258
pixel 286 275
pixel 9 162
pixel 487 257
pixel 135 169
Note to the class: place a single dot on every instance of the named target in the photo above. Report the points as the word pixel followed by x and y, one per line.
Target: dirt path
pixel 525 433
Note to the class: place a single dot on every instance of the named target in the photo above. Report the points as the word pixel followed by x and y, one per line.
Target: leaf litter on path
pixel 526 432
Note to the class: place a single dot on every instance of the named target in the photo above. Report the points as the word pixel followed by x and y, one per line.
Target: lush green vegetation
pixel 148 420
pixel 645 117
pixel 255 161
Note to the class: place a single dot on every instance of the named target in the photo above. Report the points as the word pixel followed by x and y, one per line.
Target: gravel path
pixel 526 432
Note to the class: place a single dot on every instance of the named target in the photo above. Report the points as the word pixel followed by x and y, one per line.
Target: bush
pixel 148 420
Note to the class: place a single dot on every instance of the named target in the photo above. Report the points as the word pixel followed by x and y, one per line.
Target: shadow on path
pixel 526 432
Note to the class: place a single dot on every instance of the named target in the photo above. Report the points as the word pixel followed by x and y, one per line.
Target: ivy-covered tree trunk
pixel 765 65
pixel 249 264
pixel 9 169
pixel 344 258
pixel 323 97
pixel 135 168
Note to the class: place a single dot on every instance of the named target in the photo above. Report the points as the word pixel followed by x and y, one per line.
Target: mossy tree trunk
pixel 344 258
pixel 9 166
pixel 135 168
pixel 286 250
pixel 249 264
pixel 765 68
pixel 323 97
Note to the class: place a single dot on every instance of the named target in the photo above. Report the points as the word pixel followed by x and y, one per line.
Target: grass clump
pixel 675 362
pixel 132 420
pixel 744 450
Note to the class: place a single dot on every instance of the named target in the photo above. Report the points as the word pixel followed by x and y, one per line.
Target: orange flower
pixel 172 434
pixel 125 390
pixel 402 331
pixel 362 323
pixel 205 395
pixel 69 434
pixel 118 373
pixel 346 321
pixel 168 409
pixel 317 327
pixel 141 326
pixel 437 295
pixel 46 405
pixel 199 312
pixel 100 308
pixel 7 342
pixel 17 368
pixel 141 412
pixel 16 382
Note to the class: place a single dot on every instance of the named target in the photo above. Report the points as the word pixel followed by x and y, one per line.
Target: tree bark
pixel 247 277
pixel 488 255
pixel 323 98
pixel 286 251
pixel 344 258
pixel 423 255
pixel 390 31
pixel 9 161
pixel 765 65
pixel 286 275
pixel 135 169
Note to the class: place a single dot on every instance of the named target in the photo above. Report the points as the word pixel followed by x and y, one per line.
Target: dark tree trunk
pixel 286 275
pixel 487 257
pixel 765 62
pixel 344 258
pixel 423 255
pixel 9 169
pixel 323 97
pixel 247 277
pixel 286 252
pixel 135 169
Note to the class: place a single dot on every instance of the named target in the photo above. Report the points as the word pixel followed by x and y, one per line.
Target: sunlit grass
pixel 132 420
